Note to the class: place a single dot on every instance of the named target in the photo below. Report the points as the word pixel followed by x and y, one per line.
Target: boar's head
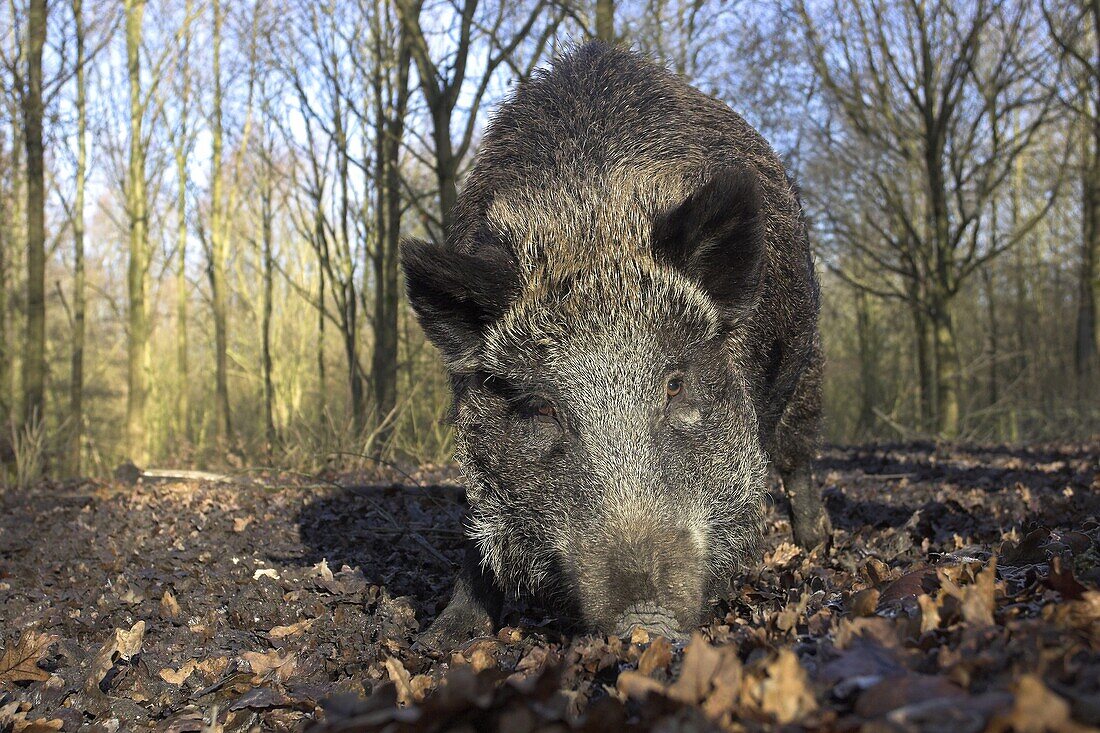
pixel 602 414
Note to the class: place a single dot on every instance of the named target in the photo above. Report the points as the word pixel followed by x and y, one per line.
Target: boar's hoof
pixel 658 621
pixel 453 627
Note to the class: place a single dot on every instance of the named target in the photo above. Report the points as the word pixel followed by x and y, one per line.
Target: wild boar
pixel 627 306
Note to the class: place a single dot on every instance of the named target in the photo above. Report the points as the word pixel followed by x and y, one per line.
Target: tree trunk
pixel 605 20
pixel 34 349
pixel 926 383
pixel 218 231
pixel 184 427
pixel 5 352
pixel 994 338
pixel 1088 286
pixel 391 128
pixel 446 168
pixel 76 385
pixel 268 277
pixel 136 204
pixel 946 368
pixel 868 366
pixel 344 287
pixel 322 401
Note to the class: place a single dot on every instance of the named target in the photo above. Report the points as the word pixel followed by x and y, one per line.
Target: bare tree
pixel 1075 28
pixel 443 80
pixel 922 127
pixel 390 85
pixel 218 234
pixel 34 347
pixel 182 144
pixel 76 378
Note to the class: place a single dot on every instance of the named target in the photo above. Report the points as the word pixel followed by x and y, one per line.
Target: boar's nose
pixel 657 620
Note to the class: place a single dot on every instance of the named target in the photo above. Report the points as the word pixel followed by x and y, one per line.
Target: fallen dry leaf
pixel 282 632
pixel 123 645
pixel 400 678
pixel 637 685
pixel 782 555
pixel 701 661
pixel 864 602
pixel 262 663
pixel 1080 615
pixel 19 663
pixel 177 677
pixel 657 656
pixel 169 606
pixel 784 692
pixel 1036 709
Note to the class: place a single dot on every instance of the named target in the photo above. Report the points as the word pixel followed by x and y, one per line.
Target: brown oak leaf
pixel 19 662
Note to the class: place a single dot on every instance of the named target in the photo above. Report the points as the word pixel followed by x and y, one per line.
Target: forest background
pixel 201 204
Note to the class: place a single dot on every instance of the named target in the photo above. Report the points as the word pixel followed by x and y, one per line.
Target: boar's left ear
pixel 716 237
pixel 458 295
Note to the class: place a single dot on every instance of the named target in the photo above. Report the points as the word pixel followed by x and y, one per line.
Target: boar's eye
pixel 541 409
pixel 674 387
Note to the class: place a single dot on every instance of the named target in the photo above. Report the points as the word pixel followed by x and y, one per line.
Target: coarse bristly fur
pixel 628 309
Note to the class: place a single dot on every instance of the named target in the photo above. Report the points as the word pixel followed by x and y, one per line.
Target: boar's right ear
pixel 458 295
pixel 716 237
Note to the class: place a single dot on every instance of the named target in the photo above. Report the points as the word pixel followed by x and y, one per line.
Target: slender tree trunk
pixel 268 283
pixel 994 338
pixel 183 391
pixel 446 168
pixel 136 204
pixel 6 216
pixel 391 128
pixel 868 365
pixel 76 388
pixel 1088 286
pixel 348 302
pixel 605 20
pixel 926 383
pixel 946 368
pixel 183 388
pixel 34 349
pixel 218 231
pixel 322 401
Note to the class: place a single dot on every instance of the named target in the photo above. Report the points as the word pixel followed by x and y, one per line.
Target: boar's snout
pixel 657 620
pixel 653 577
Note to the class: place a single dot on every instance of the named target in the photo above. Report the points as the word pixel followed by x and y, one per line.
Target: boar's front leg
pixel 809 520
pixel 474 608
pixel 796 439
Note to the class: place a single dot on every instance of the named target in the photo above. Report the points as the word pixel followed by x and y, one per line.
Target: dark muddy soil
pixel 960 595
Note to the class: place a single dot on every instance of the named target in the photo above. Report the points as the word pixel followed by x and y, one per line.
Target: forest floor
pixel 960 595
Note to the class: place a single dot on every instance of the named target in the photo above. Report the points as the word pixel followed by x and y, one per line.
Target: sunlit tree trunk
pixel 267 236
pixel 322 398
pixel 6 217
pixel 183 391
pixel 76 387
pixel 605 20
pixel 34 348
pixel 218 232
pixel 137 214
